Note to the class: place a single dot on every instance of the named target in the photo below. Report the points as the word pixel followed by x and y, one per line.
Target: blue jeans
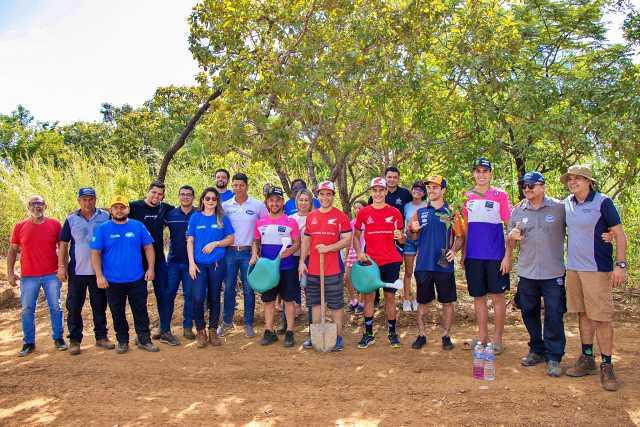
pixel 29 291
pixel 552 345
pixel 176 274
pixel 160 284
pixel 208 282
pixel 238 261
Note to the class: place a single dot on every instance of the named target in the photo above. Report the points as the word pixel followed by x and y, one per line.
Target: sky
pixel 62 59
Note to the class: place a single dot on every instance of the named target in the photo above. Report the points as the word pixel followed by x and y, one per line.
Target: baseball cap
pixel 327 185
pixel 119 200
pixel 533 177
pixel 580 170
pixel 438 179
pixel 275 191
pixel 420 185
pixel 87 191
pixel 378 182
pixel 481 161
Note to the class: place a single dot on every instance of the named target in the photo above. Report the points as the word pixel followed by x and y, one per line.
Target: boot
pixel 201 338
pixel 214 340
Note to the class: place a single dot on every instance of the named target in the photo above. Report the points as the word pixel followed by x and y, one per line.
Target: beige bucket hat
pixel 580 170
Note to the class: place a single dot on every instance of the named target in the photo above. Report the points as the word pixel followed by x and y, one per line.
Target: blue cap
pixel 532 178
pixel 87 191
pixel 481 161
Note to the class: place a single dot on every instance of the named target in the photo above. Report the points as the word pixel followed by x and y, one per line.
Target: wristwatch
pixel 621 264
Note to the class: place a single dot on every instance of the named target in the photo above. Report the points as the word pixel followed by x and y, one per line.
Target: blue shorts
pixel 484 277
pixel 410 247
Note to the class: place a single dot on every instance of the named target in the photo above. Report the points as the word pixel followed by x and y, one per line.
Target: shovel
pixel 323 335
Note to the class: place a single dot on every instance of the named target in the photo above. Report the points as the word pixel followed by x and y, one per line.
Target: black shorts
pixel 333 291
pixel 484 277
pixel 389 273
pixel 288 287
pixel 427 282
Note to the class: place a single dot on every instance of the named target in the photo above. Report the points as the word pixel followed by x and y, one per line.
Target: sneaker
pixel 248 331
pixel 608 377
pixel 406 305
pixel 105 343
pixel 224 328
pixel 122 347
pixel 269 337
pixel 60 344
pixel 283 329
pixel 394 340
pixel 531 359
pixel 359 308
pixel 351 308
pixel 367 340
pixel 148 346
pixel 339 344
pixel 188 334
pixel 214 340
pixel 288 339
pixel 419 342
pixel 169 338
pixel 201 339
pixel 447 345
pixel 74 348
pixel 585 365
pixel 307 343
pixel 26 350
pixel 553 368
pixel 414 305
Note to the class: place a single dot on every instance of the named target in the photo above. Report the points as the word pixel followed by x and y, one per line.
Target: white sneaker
pixel 414 305
pixel 406 305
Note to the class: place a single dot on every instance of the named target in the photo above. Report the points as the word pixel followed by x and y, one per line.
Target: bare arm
pixel 619 275
pixel 96 262
pixel 256 249
pixel 150 255
pixel 304 253
pixel 63 259
pixel 12 255
pixel 291 249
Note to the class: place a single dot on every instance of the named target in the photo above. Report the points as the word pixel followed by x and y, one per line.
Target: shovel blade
pixel 323 337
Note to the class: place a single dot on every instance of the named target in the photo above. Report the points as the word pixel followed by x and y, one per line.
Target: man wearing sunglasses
pixel 36 238
pixel 538 223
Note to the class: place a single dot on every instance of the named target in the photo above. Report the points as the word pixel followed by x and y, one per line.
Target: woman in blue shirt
pixel 208 233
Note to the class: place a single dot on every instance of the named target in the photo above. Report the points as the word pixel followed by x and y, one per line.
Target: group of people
pixel 114 254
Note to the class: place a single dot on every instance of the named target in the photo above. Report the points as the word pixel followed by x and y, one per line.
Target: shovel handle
pixel 322 301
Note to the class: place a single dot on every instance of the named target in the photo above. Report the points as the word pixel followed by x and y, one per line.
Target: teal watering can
pixel 265 273
pixel 365 277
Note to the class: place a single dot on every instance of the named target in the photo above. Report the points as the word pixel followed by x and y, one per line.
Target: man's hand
pixel 362 257
pixel 102 282
pixel 253 260
pixel 62 273
pixel 302 269
pixel 322 249
pixel 13 278
pixel 209 247
pixel 505 265
pixel 618 276
pixel 149 275
pixel 450 255
pixel 608 236
pixel 515 234
pixel 193 271
pixel 398 234
pixel 414 226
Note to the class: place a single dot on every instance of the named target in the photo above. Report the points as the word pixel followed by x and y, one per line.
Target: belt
pixel 240 248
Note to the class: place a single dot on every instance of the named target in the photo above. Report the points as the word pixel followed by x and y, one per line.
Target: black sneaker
pixel 27 349
pixel 394 341
pixel 367 340
pixel 446 343
pixel 148 346
pixel 269 337
pixel 169 338
pixel 60 344
pixel 419 342
pixel 288 339
pixel 122 347
pixel 351 308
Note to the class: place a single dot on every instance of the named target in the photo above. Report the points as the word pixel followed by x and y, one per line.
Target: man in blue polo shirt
pixel 221 182
pixel 591 272
pixel 243 212
pixel 177 221
pixel 116 256
pixel 75 238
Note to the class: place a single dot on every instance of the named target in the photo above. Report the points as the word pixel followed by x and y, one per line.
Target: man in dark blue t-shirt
pixel 290 207
pixel 116 256
pixel 177 221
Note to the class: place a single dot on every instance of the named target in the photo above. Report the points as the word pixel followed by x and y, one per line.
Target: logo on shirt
pixel 398 201
pixel 282 229
pixel 370 220
pixel 560 281
pixel 214 225
pixel 114 236
pixel 388 219
pixel 488 204
pixel 549 218
pixel 331 221
pixel 250 212
pixel 129 234
pixel 200 227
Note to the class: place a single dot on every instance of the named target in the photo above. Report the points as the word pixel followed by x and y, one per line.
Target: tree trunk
pixel 179 143
pixel 519 158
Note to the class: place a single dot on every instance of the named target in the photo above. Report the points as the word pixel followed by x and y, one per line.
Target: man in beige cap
pixel 591 272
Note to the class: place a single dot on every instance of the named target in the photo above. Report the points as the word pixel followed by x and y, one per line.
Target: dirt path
pixel 243 383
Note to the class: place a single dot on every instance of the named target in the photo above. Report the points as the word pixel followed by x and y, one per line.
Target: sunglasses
pixel 210 199
pixel 528 186
pixel 36 204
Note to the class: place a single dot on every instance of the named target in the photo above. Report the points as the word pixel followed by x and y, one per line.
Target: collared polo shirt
pixel 78 231
pixel 586 221
pixel 542 246
pixel 243 218
pixel 177 221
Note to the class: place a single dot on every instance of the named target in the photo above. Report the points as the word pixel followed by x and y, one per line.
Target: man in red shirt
pixel 327 231
pixel 383 225
pixel 36 238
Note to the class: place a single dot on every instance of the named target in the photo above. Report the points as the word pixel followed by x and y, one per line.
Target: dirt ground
pixel 242 383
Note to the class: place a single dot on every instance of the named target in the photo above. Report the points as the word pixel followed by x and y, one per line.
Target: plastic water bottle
pixel 478 362
pixel 489 363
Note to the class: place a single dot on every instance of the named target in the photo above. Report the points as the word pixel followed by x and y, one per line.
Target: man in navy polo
pixel 177 221
pixel 75 239
pixel 591 271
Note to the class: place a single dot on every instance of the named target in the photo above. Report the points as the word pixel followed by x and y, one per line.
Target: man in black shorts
pixel 438 230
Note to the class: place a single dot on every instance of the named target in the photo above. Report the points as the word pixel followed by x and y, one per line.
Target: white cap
pixel 327 185
pixel 378 182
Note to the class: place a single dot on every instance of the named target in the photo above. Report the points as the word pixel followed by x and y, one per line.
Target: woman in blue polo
pixel 208 234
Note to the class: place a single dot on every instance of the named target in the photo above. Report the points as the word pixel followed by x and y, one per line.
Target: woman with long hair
pixel 208 234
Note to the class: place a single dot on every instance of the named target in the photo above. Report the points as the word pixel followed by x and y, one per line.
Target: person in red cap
pixel 383 225
pixel 327 231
